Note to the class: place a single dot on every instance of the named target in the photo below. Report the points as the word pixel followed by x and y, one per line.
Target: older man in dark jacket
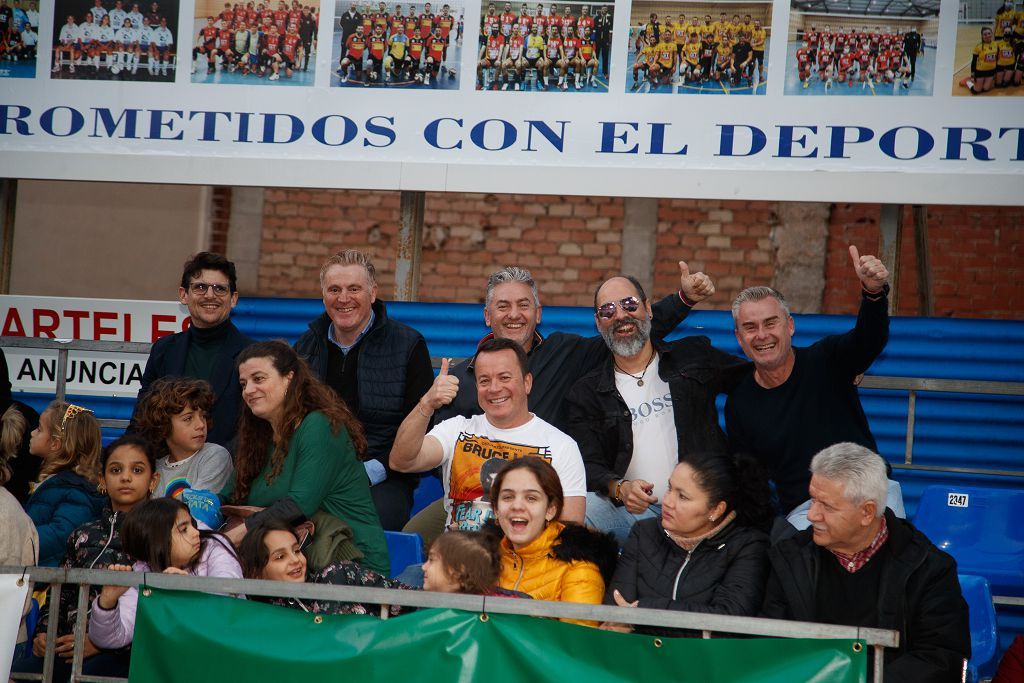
pixel 860 565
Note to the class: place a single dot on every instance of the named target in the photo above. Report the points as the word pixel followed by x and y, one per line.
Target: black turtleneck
pixel 203 345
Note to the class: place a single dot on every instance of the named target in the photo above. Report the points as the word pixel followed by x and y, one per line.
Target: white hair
pixel 860 470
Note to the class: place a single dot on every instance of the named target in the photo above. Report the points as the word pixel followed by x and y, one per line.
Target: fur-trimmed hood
pixel 577 542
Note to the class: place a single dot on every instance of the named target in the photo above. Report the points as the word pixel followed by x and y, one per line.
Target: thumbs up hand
pixel 444 389
pixel 870 270
pixel 695 286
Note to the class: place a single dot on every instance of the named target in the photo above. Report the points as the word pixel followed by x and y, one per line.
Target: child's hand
pixel 65 648
pixel 109 595
pixel 175 570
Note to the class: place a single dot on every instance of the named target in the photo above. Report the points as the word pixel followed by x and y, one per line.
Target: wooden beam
pixel 925 298
pixel 891 224
pixel 8 201
pixel 410 245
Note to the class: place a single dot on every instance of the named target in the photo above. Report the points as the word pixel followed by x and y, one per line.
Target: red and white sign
pixel 89 372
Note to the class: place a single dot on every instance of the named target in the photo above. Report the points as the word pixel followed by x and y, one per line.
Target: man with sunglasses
pixel 208 347
pixel 512 310
pixel 641 410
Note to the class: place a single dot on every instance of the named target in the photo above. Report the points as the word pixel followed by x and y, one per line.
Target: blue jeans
pixel 894 501
pixel 412 576
pixel 604 515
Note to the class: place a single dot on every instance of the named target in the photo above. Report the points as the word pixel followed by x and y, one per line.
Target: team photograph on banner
pixel 255 44
pixel 562 48
pixel 412 46
pixel 862 47
pixel 989 57
pixel 104 40
pixel 19 39
pixel 699 48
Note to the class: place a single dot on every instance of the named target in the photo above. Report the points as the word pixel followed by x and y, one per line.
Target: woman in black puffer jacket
pixel 709 551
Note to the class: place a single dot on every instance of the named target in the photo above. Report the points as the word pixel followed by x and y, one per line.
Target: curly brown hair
pixel 165 399
pixel 304 395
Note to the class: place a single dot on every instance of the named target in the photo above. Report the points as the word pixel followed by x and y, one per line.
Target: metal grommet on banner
pixel 857 647
pixel 657 642
pixel 318 619
pixel 484 617
pixel 21 581
pixel 147 592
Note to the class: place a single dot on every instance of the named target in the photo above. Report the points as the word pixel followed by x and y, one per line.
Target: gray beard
pixel 627 346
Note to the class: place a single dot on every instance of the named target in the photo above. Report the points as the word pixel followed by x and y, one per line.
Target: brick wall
pixel 220 217
pixel 976 255
pixel 568 243
pixel 571 243
pixel 729 240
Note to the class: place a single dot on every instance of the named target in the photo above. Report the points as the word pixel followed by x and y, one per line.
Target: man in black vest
pixel 207 349
pixel 378 366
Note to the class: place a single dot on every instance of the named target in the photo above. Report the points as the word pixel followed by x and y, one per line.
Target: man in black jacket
pixel 912 43
pixel 348 23
pixel 641 410
pixel 207 349
pixel 796 401
pixel 603 25
pixel 513 311
pixel 860 565
pixel 378 366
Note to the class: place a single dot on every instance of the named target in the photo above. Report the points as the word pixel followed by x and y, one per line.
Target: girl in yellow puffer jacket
pixel 546 559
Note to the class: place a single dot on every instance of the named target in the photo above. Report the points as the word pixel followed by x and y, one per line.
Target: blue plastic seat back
pixel 428 490
pixel 984 631
pixel 404 549
pixel 982 528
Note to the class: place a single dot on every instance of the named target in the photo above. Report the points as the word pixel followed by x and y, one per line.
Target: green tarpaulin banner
pixel 189 637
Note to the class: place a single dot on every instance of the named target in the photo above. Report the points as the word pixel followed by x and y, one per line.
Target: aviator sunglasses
pixel 607 311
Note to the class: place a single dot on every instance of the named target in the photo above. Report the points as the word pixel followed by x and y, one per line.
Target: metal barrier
pixel 912 385
pixel 707 624
pixel 63 347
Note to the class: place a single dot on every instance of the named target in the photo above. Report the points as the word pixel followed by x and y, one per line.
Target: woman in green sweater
pixel 298 443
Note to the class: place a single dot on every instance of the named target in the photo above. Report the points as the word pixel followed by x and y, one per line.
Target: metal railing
pixel 913 385
pixel 63 347
pixel 707 624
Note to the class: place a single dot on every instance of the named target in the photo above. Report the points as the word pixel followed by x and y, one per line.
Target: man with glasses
pixel 659 396
pixel 208 347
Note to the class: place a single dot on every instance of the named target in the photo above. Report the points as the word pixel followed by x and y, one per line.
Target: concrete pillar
pixel 245 230
pixel 801 240
pixel 639 240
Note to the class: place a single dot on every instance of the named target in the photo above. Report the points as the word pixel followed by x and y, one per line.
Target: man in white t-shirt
pixel 467 447
pixel 640 413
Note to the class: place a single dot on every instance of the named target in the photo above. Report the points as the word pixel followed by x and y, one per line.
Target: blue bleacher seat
pixel 981 528
pixel 404 549
pixel 984 635
pixel 428 490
